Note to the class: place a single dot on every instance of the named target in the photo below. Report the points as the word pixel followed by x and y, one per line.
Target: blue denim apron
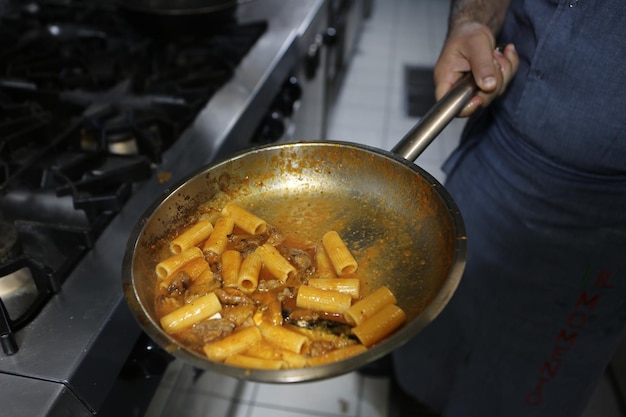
pixel 540 179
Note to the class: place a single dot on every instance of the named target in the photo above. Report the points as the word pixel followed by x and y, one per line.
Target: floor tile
pixel 192 404
pixel 336 396
pixel 277 412
pixel 375 397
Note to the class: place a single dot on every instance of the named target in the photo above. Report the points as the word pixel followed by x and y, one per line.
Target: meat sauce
pixel 273 300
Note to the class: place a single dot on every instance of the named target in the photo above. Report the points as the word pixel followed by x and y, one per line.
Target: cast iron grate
pixel 88 105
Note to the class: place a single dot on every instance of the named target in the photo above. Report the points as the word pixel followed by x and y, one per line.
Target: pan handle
pixel 436 119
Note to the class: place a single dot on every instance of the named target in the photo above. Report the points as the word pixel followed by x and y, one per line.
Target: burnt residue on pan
pixel 402 227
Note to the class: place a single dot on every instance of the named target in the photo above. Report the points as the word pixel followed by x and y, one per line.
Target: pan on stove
pixel 168 19
pixel 380 202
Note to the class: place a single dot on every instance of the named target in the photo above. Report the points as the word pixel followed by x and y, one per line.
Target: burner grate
pixel 88 106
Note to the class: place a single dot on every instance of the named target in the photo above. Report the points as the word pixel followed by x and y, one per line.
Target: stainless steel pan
pixel 181 7
pixel 170 19
pixel 389 210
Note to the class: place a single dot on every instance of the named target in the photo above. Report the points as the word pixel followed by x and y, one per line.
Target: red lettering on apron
pixel 563 336
pixel 603 279
pixel 551 368
pixel 558 351
pixel 577 319
pixel 584 300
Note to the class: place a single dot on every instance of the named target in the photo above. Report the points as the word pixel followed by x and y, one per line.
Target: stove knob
pixel 330 37
pixel 289 94
pixel 313 57
pixel 272 128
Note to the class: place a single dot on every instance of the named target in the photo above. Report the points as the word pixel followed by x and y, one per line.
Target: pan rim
pixel 448 287
pixel 184 11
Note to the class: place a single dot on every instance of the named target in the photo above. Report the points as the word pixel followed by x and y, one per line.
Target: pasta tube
pixel 369 305
pixel 379 326
pixel 339 254
pixel 193 268
pixel 189 314
pixel 351 286
pixel 324 268
pixel 327 338
pixel 322 300
pixel 170 265
pixel 336 355
pixel 206 277
pixel 267 350
pixel 244 361
pixel 283 337
pixel 231 263
pixel 249 273
pixel 276 264
pixel 216 243
pixel 244 219
pixel 232 344
pixel 191 237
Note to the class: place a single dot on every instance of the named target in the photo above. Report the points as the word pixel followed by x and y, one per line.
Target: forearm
pixel 490 13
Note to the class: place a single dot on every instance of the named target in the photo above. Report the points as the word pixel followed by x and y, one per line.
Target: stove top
pixel 86 144
pixel 89 105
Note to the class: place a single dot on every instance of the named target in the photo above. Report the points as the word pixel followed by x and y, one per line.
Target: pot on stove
pixel 167 18
pixel 182 7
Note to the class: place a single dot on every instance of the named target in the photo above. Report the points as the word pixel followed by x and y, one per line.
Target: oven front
pixel 97 120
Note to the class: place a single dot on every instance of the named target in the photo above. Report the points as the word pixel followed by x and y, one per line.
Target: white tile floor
pixel 370 107
pixel 183 393
pixel 370 110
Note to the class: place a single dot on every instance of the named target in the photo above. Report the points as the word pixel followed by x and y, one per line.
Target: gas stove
pixel 97 120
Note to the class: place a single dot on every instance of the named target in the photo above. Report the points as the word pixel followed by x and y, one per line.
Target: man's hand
pixel 470 46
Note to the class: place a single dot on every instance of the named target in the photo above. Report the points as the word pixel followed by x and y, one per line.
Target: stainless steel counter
pixel 73 351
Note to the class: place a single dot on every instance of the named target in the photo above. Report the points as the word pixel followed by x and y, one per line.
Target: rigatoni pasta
pixel 266 350
pixel 193 269
pixel 240 292
pixel 370 305
pixel 218 239
pixel 283 337
pixel 336 355
pixel 380 325
pixel 170 265
pixel 190 314
pixel 245 361
pixel 323 265
pixel 339 254
pixel 244 219
pixel 350 286
pixel 232 344
pixel 248 278
pixel 191 237
pixel 231 264
pixel 275 263
pixel 322 300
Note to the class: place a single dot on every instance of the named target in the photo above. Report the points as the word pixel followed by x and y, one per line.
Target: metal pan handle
pixel 436 119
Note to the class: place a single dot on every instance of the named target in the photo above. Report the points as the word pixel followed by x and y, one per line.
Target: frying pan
pixel 181 7
pixel 165 19
pixel 394 216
